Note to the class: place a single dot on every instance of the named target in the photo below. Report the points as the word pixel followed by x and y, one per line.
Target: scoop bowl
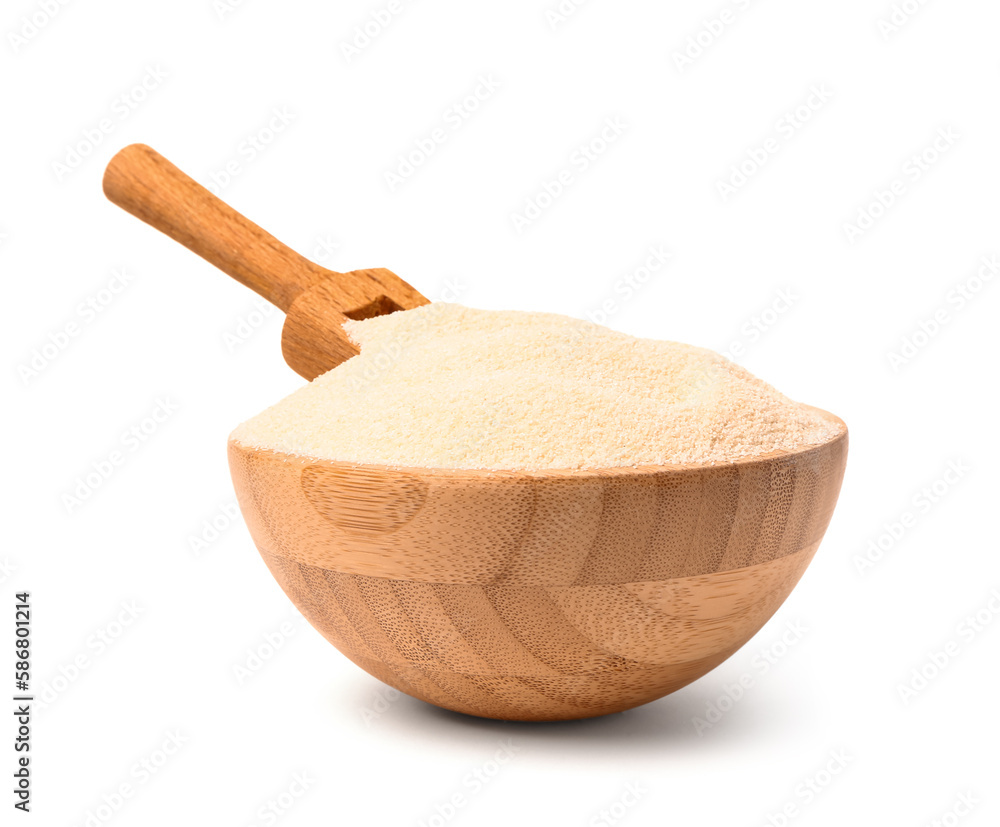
pixel 545 595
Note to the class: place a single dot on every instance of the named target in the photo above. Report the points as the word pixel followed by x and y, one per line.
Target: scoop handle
pixel 144 183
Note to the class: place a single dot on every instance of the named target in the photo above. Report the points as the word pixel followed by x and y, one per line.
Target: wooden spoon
pixel 317 301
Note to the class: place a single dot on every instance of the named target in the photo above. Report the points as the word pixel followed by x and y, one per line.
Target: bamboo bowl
pixel 538 596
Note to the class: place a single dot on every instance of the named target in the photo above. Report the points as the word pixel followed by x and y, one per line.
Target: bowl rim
pixel 550 473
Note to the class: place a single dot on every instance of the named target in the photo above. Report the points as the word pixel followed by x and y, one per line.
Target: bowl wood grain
pixel 538 595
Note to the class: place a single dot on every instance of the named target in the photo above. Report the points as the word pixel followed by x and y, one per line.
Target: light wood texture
pixel 538 596
pixel 317 300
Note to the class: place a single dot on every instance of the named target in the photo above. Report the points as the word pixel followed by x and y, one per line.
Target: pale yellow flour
pixel 446 386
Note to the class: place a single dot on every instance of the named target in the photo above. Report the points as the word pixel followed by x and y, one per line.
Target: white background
pixel 370 758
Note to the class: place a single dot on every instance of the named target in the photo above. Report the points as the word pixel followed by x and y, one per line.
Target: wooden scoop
pixel 317 301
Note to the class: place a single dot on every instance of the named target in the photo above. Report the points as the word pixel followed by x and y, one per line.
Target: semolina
pixel 446 386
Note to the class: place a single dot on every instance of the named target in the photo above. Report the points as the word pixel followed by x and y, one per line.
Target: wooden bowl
pixel 538 596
